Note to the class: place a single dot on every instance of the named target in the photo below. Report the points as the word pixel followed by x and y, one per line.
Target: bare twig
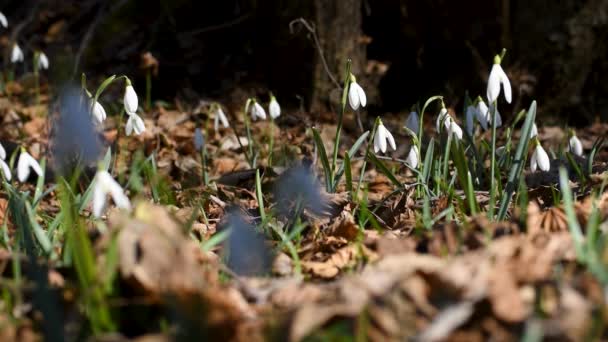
pixel 313 32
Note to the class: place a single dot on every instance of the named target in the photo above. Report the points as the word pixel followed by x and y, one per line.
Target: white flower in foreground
pixel 273 108
pixel 130 99
pixel 135 123
pixel 412 157
pixel 356 95
pixel 257 111
pixel 2 152
pixel 6 171
pixel 3 20
pixel 575 146
pixel 16 54
pixel 413 122
pixel 104 185
pixel 539 159
pixel 470 114
pixel 381 137
pixel 98 112
pixel 533 131
pixel 220 117
pixel 24 164
pixel 453 128
pixel 43 61
pixel 497 78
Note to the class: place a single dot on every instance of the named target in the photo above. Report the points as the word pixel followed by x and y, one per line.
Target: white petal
pixel 575 145
pixel 542 159
pixel 16 54
pixel 43 61
pixel 378 137
pixel 130 100
pixel 413 122
pixel 533 131
pixel 274 109
pixel 5 170
pixel 258 111
pixel 441 118
pixel 138 124
pixel 99 113
pixel 412 157
pixel 470 120
pixel 222 117
pixel 391 140
pixel 129 126
pixel 25 162
pixel 99 198
pixel 353 96
pixel 455 129
pixel 506 85
pixel 362 96
pixel 3 20
pixel 216 122
pixel 2 152
pixel 494 81
pixel 482 114
pixel 533 163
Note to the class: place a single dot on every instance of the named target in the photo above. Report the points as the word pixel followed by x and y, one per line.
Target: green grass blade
pixel 322 154
pixel 382 168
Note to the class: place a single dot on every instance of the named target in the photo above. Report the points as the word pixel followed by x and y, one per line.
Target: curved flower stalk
pixel 413 122
pixel 540 158
pixel 273 108
pixel 3 20
pixel 498 78
pixel 574 144
pixel 356 95
pixel 16 54
pixel 219 116
pixel 26 163
pixel 130 99
pixel 412 157
pixel 135 124
pixel 381 138
pixel 104 185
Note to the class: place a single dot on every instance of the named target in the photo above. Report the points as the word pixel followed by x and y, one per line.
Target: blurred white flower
pixel 412 157
pixel 413 122
pixel 2 152
pixel 575 146
pixel 220 117
pixel 497 78
pixel 471 113
pixel 6 171
pixel 453 128
pixel 539 159
pixel 130 99
pixel 134 123
pixel 3 20
pixel 24 164
pixel 99 113
pixel 16 54
pixel 481 112
pixel 257 111
pixel 356 95
pixel 104 185
pixel 533 131
pixel 273 108
pixel 381 137
pixel 43 61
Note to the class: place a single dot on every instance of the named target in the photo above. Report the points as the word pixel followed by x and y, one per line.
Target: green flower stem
pixel 347 77
pixel 271 141
pixel 370 141
pixel 493 166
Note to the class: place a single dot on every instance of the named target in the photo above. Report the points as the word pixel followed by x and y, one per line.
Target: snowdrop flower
pixel 381 137
pixel 130 99
pixel 256 110
pixel 412 157
pixel 442 118
pixel 3 165
pixel 220 117
pixel 43 61
pixel 3 20
pixel 539 159
pixel 98 112
pixel 471 113
pixel 2 152
pixel 413 122
pixel 273 108
pixel 16 54
pixel 104 185
pixel 24 164
pixel 497 78
pixel 454 128
pixel 533 131
pixel 135 123
pixel 481 112
pixel 574 144
pixel 356 95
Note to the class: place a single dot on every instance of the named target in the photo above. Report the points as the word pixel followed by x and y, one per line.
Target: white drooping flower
pixel 99 113
pixel 130 100
pixel 3 165
pixel 104 185
pixel 497 78
pixel 450 125
pixel 3 20
pixel 381 137
pixel 442 118
pixel 539 159
pixel 220 117
pixel 470 115
pixel 356 95
pixel 43 61
pixel 413 122
pixel 481 112
pixel 24 164
pixel 257 111
pixel 273 108
pixel 412 157
pixel 2 152
pixel 16 54
pixel 454 128
pixel 533 131
pixel 134 124
pixel 575 146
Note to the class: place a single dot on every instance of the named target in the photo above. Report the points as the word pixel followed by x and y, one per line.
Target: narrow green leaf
pixel 382 168
pixel 322 154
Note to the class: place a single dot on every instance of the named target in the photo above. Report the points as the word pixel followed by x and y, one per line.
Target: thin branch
pixel 313 32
